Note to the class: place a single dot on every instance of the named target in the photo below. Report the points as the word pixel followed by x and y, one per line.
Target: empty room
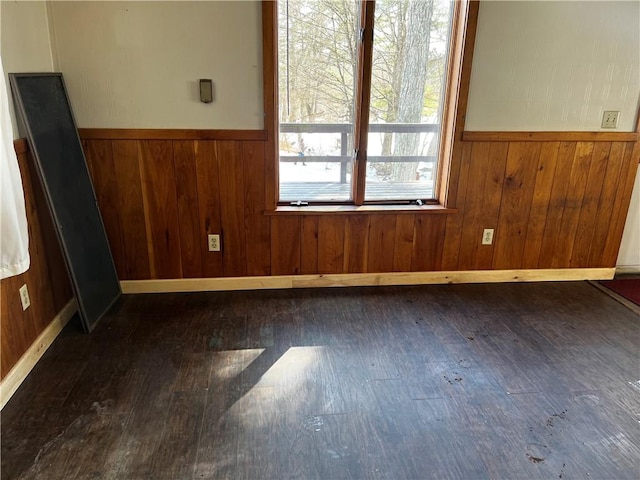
pixel 320 239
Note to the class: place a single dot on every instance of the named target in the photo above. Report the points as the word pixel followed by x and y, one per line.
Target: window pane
pixel 410 48
pixel 317 56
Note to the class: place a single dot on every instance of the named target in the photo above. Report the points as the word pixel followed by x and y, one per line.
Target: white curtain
pixel 14 234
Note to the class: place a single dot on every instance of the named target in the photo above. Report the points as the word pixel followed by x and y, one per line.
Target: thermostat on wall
pixel 206 90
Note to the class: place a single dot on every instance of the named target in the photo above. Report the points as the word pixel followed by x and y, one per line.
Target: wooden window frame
pixel 463 31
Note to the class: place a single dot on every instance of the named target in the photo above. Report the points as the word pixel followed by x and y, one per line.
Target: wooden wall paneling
pixel 285 245
pixel 131 210
pixel 612 178
pixel 331 244
pixel 482 204
pixel 621 204
pixel 191 234
pixel 553 223
pixel 37 277
pixel 208 205
pixel 556 136
pixel 428 244
pixel 309 244
pixel 46 277
pixel 492 199
pixel 257 225
pixel 382 238
pixel 471 224
pixel 403 244
pixel 57 281
pixel 99 155
pixel 356 236
pixel 573 204
pixel 455 221
pixel 231 184
pixel 191 134
pixel 589 207
pixel 545 174
pixel 161 202
pixel 517 196
pixel 8 332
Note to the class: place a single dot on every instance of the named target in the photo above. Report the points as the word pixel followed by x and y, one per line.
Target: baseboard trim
pixel 362 280
pixel 12 380
pixel 628 270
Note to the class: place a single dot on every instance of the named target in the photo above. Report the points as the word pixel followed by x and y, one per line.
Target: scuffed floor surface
pixel 512 381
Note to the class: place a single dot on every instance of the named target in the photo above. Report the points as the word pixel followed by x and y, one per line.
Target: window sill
pixel 364 209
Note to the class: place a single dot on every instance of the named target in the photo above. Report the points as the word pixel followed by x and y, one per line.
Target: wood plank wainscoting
pixel 26 334
pixel 557 200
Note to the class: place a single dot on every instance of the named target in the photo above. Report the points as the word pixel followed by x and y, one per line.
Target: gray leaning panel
pixel 42 102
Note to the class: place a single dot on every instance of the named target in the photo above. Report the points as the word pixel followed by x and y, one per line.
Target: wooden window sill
pixel 364 209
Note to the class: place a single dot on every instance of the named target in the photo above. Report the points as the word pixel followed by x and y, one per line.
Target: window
pixel 361 93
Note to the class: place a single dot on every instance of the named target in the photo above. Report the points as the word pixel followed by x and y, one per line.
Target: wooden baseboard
pixel 362 279
pixel 20 370
pixel 628 270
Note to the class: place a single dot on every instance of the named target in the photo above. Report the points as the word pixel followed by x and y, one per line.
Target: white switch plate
pixel 610 119
pixel 24 297
pixel 214 242
pixel 487 236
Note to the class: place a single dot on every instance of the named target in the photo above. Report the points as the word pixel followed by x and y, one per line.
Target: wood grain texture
pixel 558 204
pixel 610 191
pixel 257 226
pixel 309 244
pixel 589 207
pixel 545 175
pixel 286 245
pixel 429 238
pixel 550 136
pixel 232 211
pixel 551 238
pixel 356 243
pixel 161 207
pixel 573 203
pixel 99 156
pixel 169 134
pixel 455 222
pixel 131 210
pixel 515 208
pixel 384 382
pixel 382 240
pixel 621 203
pixel 46 279
pixel 208 205
pixel 188 208
pixel 331 244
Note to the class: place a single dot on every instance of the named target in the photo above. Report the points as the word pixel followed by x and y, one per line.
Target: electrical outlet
pixel 214 243
pixel 487 236
pixel 24 297
pixel 610 119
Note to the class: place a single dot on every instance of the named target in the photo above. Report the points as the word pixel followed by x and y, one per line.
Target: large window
pixel 361 93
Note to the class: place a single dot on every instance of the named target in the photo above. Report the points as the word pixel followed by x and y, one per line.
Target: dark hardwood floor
pixel 510 381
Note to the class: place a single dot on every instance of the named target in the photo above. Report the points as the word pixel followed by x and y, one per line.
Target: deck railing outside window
pixel 316 164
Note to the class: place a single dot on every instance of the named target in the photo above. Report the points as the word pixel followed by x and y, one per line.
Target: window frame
pixel 463 29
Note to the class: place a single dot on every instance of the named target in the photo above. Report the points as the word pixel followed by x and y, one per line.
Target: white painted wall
pixel 24 42
pixel 137 64
pixel 629 256
pixel 555 66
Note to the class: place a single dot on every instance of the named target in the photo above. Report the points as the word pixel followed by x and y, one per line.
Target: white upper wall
pixel 24 42
pixel 137 64
pixel 554 66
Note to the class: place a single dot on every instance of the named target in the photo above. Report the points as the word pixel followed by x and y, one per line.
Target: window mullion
pixel 363 97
